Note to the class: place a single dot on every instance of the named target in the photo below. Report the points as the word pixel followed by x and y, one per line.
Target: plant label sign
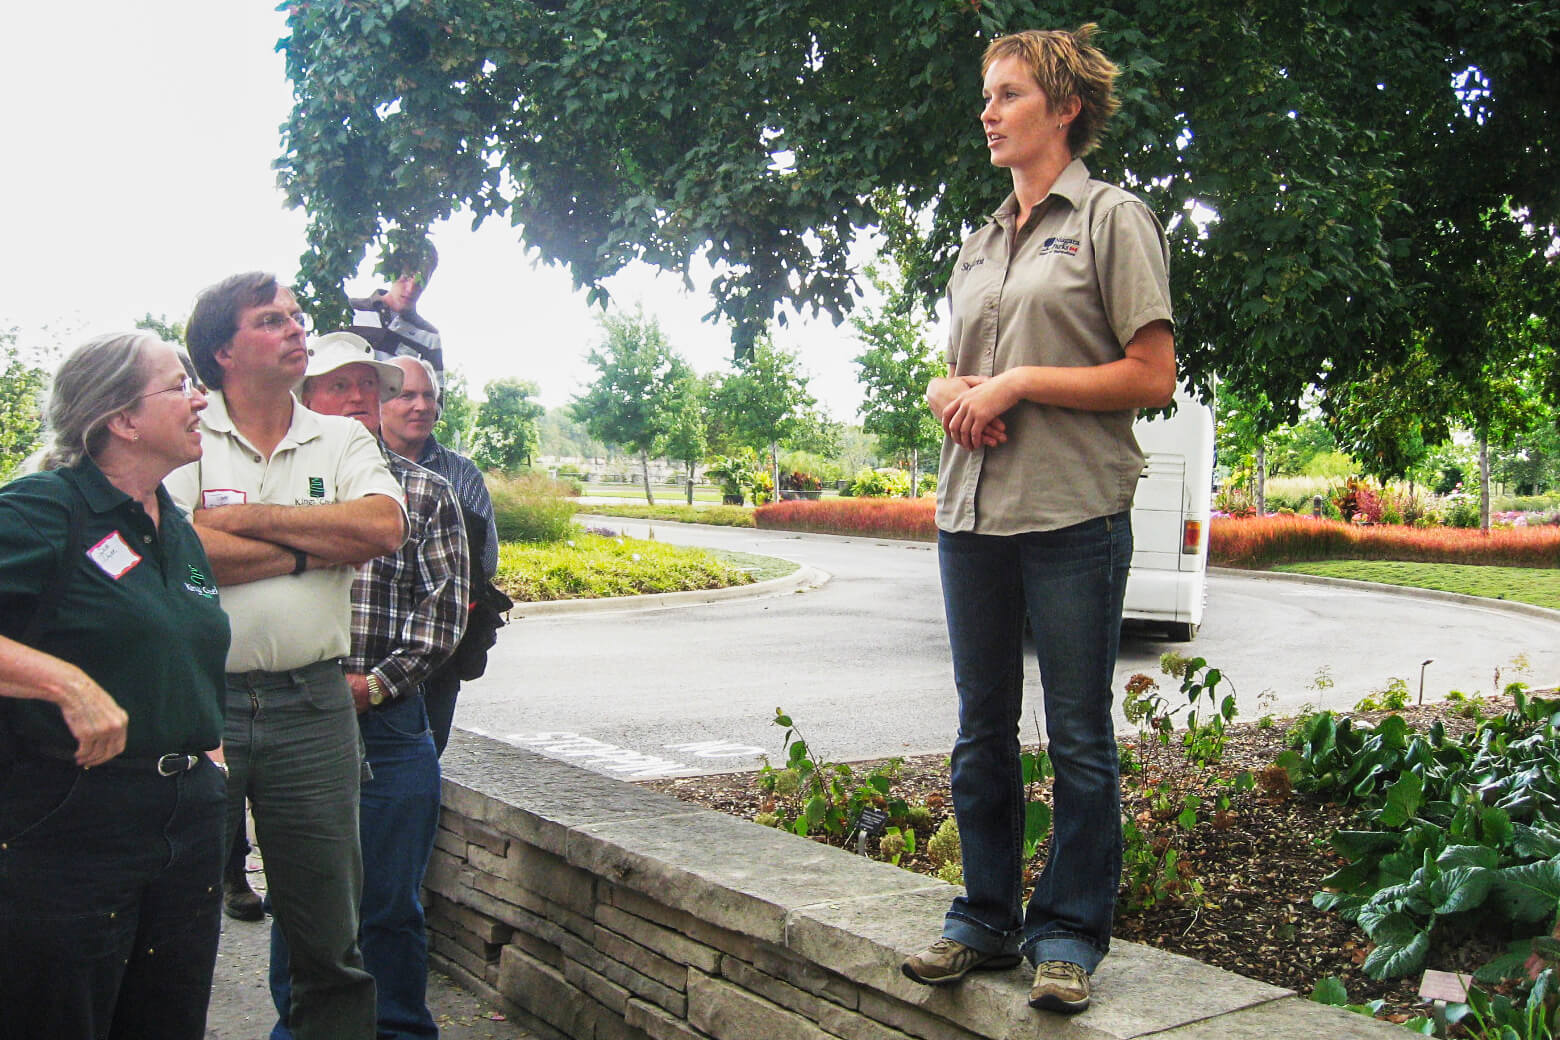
pixel 872 821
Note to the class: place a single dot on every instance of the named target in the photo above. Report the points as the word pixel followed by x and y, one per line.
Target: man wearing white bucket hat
pixel 408 613
pixel 287 503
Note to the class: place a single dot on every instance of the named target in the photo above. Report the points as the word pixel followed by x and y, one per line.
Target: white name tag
pixel 113 556
pixel 214 497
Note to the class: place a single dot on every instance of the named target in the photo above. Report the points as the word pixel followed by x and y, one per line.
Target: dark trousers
pixel 110 900
pixel 292 745
pixel 400 814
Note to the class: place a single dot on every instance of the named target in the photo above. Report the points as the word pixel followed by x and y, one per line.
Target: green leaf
pixel 1528 892
pixel 1403 800
pixel 1462 889
pixel 1400 948
pixel 1331 991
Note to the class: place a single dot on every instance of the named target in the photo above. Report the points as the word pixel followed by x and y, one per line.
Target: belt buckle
pixel 170 765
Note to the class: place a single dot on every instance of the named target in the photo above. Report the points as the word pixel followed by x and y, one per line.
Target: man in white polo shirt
pixel 287 503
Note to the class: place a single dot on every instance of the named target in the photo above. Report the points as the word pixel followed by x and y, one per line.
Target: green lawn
pixel 1540 587
pixel 672 493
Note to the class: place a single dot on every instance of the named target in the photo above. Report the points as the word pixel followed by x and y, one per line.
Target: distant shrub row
pixel 909 518
pixel 1259 542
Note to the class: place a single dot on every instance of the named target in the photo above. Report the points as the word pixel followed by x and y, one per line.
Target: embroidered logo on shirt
pixel 316 487
pixel 199 584
pixel 972 263
pixel 114 556
pixel 1066 246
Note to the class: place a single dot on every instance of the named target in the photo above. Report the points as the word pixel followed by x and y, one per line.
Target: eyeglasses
pixel 189 387
pixel 277 322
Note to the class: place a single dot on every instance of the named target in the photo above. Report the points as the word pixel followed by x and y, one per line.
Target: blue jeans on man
pixel 398 818
pixel 1071 583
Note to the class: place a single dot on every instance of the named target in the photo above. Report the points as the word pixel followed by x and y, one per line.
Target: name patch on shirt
pixel 211 498
pixel 1065 246
pixel 114 556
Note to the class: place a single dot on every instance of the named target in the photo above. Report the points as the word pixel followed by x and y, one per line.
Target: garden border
pixel 803 578
pixel 594 909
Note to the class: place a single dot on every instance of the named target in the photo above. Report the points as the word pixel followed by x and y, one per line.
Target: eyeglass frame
pixel 189 386
pixel 274 322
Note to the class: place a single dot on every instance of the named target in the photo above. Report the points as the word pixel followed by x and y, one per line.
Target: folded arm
pixel 252 541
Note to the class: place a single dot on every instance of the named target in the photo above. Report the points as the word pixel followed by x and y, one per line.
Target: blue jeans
pixel 400 813
pixel 1071 582
pixel 110 900
pixel 292 745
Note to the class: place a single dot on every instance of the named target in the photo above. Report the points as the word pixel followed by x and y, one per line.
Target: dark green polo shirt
pixel 140 613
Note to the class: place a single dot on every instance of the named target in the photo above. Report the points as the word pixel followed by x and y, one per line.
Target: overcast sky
pixel 137 171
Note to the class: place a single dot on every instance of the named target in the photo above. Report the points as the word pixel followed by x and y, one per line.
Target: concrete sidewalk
pixel 241 1001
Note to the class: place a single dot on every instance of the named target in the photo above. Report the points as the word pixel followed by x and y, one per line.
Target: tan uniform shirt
pixel 288 621
pixel 1071 288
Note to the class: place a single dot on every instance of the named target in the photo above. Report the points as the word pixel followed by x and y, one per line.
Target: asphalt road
pixel 860 661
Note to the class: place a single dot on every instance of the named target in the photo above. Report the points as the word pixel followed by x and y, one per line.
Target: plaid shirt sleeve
pixel 409 608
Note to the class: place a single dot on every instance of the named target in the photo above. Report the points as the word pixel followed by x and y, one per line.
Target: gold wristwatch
pixel 376 691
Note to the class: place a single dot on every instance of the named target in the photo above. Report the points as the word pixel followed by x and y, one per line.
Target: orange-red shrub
pixel 1265 541
pixel 910 518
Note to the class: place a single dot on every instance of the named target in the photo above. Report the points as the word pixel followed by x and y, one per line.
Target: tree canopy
pixel 1352 160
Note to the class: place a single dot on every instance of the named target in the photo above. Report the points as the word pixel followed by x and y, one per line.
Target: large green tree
pixel 506 434
pixel 21 405
pixel 764 404
pixel 1343 155
pixel 639 379
pixel 896 367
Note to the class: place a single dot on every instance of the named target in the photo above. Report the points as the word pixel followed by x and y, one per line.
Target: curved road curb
pixel 804 577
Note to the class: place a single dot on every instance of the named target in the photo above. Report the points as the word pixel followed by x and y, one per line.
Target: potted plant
pixel 800 485
pixel 732 474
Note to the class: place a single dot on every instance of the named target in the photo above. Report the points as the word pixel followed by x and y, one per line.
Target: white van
pixel 1168 584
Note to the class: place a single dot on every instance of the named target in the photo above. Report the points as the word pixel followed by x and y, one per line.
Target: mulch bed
pixel 1258 867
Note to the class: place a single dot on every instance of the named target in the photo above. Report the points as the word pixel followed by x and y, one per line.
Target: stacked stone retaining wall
pixel 593 909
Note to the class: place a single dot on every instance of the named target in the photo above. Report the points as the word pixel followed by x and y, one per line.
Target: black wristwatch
pixel 300 562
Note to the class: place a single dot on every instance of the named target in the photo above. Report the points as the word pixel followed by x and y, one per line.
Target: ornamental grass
pixel 907 518
pixel 1260 542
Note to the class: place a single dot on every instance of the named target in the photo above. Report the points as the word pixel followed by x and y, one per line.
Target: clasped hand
pixel 972 418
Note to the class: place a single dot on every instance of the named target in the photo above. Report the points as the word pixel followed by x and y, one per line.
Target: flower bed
pixel 1259 542
pixel 909 518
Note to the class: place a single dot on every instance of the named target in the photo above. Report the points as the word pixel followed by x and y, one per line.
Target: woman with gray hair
pixel 112 645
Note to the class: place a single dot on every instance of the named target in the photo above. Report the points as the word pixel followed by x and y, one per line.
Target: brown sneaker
pixel 945 962
pixel 1060 986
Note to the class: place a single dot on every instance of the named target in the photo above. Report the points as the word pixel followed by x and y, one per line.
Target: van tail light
pixel 1191 537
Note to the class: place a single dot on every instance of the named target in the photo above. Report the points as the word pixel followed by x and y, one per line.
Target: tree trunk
pixel 1484 481
pixel 644 469
pixel 915 470
pixel 689 478
pixel 774 457
pixel 1260 478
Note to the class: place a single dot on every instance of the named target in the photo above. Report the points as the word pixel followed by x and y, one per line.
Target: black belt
pixel 171 764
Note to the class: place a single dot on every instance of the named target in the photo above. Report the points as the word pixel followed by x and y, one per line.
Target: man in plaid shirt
pixel 408 613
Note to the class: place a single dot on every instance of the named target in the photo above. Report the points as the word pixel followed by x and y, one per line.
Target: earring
pixel 135 436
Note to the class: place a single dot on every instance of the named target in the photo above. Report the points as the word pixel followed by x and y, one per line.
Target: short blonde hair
pixel 1065 64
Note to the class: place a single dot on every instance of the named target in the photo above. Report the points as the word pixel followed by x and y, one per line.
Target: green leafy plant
pixel 812 795
pixel 1394 697
pixel 1332 992
pixel 1447 827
